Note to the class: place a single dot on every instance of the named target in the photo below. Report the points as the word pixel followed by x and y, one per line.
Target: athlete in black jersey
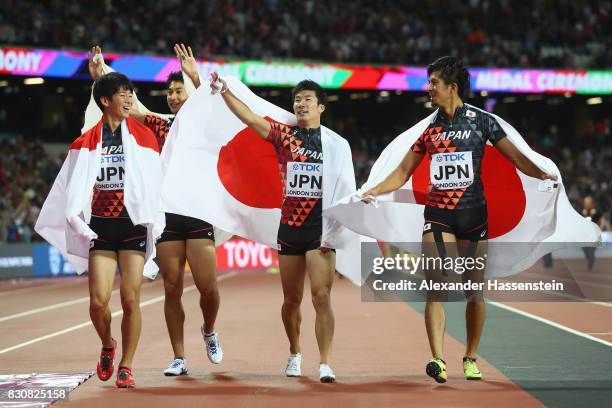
pixel 300 158
pixel 184 238
pixel 119 242
pixel 455 211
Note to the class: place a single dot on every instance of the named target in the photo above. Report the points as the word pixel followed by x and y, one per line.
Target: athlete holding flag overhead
pixel 456 210
pixel 184 238
pixel 300 160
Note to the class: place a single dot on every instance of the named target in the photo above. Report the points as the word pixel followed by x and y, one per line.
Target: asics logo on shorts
pixel 482 234
pixel 427 227
pixel 142 243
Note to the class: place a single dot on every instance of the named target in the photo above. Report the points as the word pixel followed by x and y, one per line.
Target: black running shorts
pixel 298 240
pixel 181 228
pixel 117 234
pixel 466 224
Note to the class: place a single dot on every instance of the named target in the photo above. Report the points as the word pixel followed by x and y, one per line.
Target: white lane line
pixel 551 323
pixel 572 279
pixel 58 305
pixel 577 298
pixel 38 286
pixel 114 314
pixel 46 308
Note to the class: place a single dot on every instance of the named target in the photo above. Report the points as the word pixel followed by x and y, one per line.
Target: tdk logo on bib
pixel 304 180
pixel 112 172
pixel 449 171
pixel 451 157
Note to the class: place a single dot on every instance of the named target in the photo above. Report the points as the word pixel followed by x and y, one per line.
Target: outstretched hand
pixel 95 62
pixel 188 62
pixel 369 196
pixel 217 84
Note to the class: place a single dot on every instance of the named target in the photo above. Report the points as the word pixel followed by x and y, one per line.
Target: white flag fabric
pixel 219 170
pixel 93 113
pixel 65 215
pixel 521 209
pixel 72 238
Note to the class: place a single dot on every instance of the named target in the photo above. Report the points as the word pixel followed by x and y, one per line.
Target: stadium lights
pixel 3 83
pixel 158 92
pixel 567 95
pixel 428 105
pixel 275 93
pixel 484 93
pixel 361 95
pixel 594 101
pixel 333 98
pixel 383 96
pixel 34 81
pixel 60 89
pixel 509 99
pixel 534 97
pixel 421 99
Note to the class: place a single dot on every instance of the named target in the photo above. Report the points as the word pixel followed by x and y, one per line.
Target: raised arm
pixel 95 63
pixel 136 114
pixel 397 178
pixel 238 108
pixel 188 63
pixel 96 70
pixel 521 161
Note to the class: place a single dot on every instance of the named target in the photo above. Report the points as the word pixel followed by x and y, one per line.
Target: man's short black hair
pixel 308 85
pixel 451 71
pixel 175 76
pixel 109 84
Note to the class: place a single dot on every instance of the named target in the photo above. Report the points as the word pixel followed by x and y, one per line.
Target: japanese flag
pixel 521 209
pixel 219 170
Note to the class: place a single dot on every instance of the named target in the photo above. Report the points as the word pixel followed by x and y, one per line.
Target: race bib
pixel 112 172
pixel 449 171
pixel 304 180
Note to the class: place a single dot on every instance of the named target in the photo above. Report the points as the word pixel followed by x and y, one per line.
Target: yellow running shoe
pixel 436 369
pixel 470 369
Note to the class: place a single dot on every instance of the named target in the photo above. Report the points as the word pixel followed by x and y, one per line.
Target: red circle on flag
pixel 503 190
pixel 248 169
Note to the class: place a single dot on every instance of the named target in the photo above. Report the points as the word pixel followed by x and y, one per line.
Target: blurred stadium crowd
pixel 26 175
pixel 504 33
pixel 27 172
pixel 500 33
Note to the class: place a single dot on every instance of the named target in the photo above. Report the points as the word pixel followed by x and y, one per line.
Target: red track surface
pixel 380 350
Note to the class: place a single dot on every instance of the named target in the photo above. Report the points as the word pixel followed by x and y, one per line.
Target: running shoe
pixel 106 365
pixel 436 369
pixel 470 369
pixel 326 375
pixel 294 365
pixel 125 378
pixel 177 367
pixel 213 347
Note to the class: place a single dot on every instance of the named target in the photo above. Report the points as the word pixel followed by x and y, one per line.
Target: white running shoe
pixel 177 367
pixel 294 365
pixel 213 347
pixel 326 374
